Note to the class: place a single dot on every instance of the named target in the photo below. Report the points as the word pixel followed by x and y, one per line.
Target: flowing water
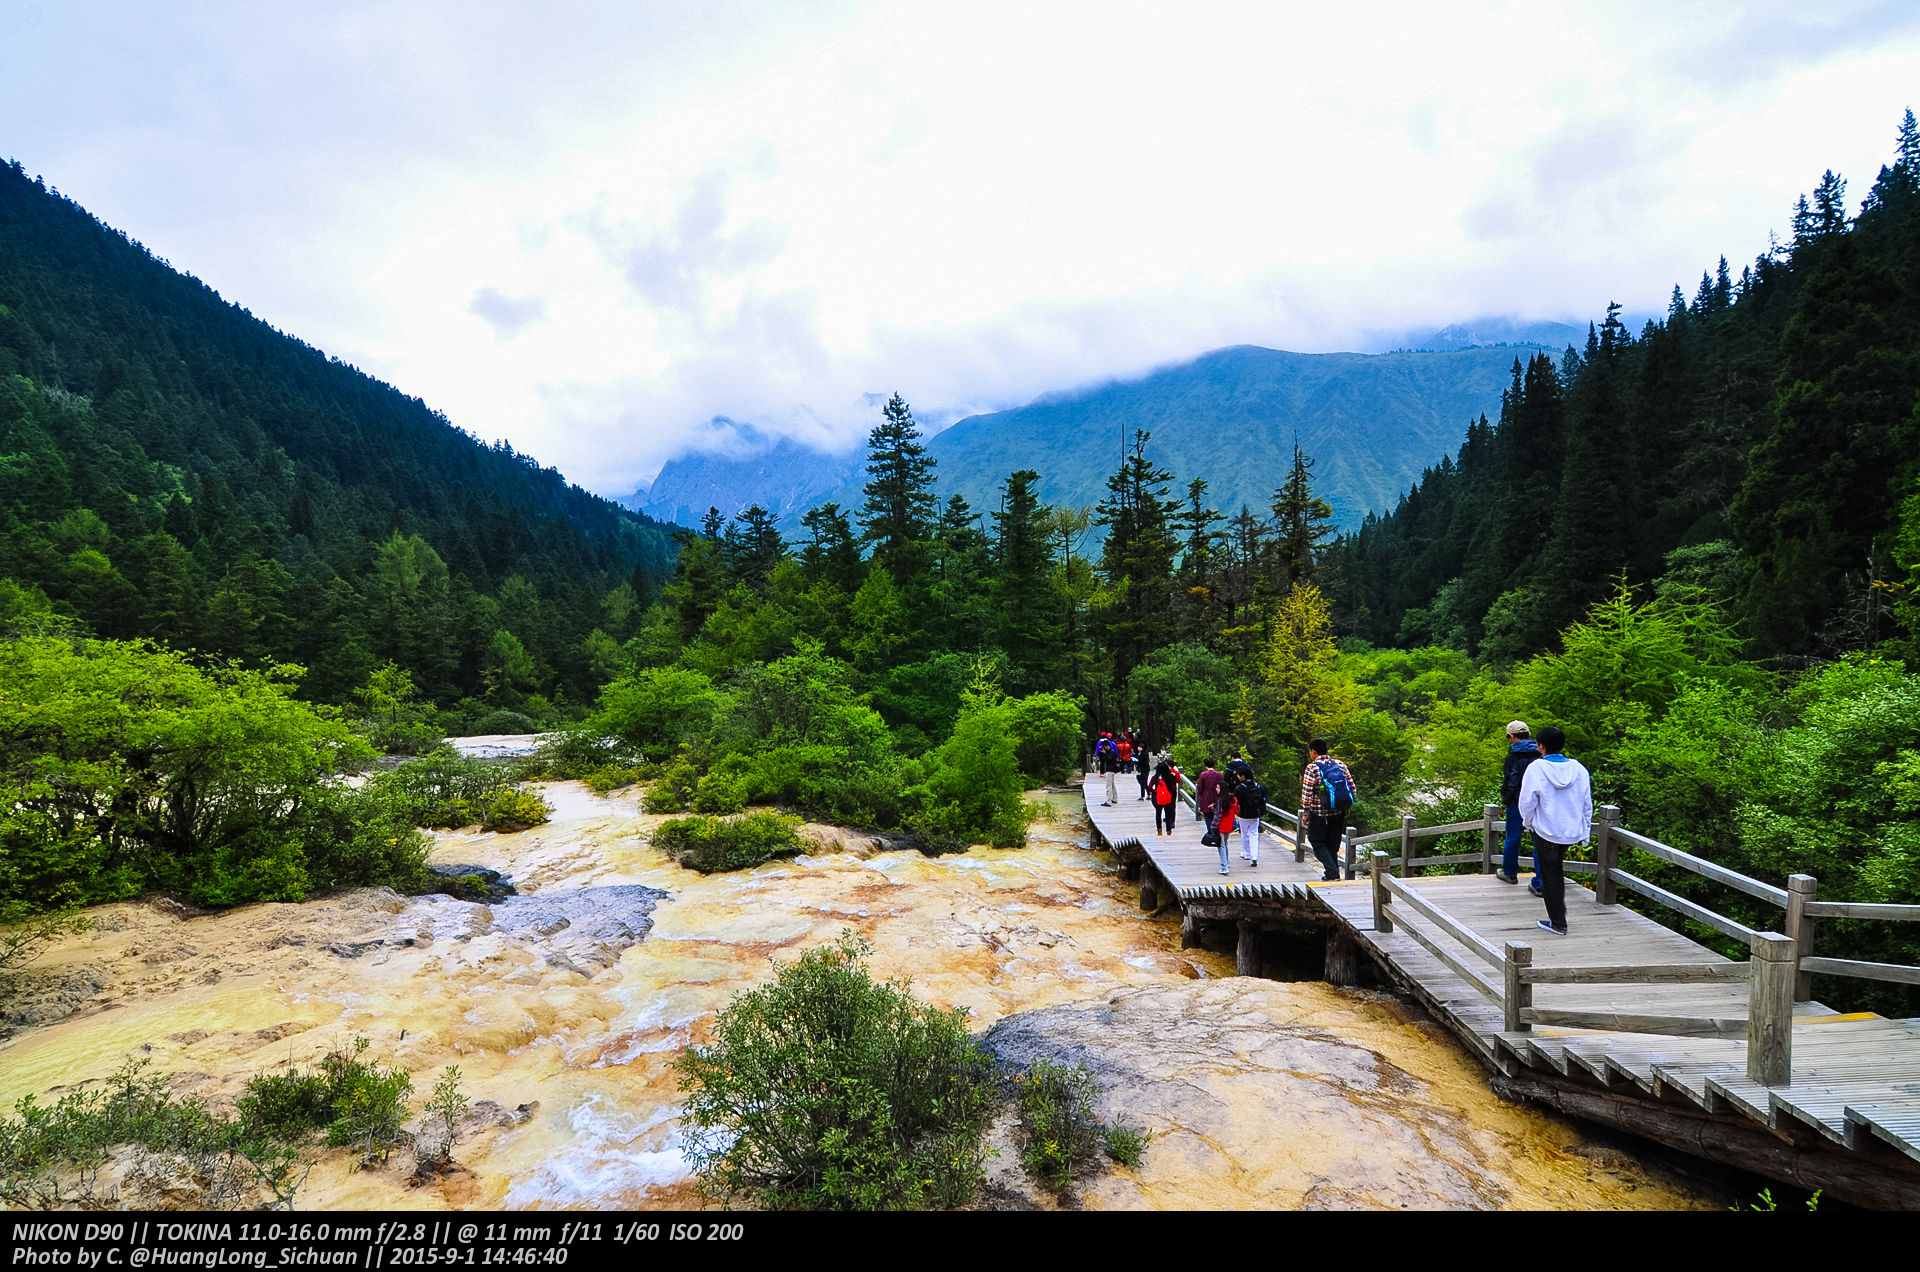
pixel 565 1006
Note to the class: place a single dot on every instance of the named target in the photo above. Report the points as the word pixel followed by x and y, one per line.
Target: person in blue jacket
pixel 1522 750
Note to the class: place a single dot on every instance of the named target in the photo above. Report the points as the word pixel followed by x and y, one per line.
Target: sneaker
pixel 1533 886
pixel 1503 877
pixel 1223 870
pixel 1546 925
pixel 1254 862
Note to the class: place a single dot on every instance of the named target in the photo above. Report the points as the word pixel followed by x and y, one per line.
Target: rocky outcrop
pixel 1251 1104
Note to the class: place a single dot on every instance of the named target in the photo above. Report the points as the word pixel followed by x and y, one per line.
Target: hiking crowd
pixel 1544 791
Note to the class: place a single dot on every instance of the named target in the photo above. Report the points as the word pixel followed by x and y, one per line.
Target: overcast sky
pixel 589 228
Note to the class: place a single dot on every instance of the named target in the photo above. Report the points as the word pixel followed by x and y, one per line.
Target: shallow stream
pixel 565 1006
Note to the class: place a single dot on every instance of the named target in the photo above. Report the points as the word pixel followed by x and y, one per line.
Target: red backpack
pixel 1163 791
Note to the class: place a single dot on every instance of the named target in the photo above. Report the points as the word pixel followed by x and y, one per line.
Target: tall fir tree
pixel 1302 523
pixel 1025 604
pixel 897 518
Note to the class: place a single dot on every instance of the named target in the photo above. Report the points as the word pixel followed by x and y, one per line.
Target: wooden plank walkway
pixel 1855 1081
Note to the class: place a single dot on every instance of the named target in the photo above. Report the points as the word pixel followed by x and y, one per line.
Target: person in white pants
pixel 1250 839
pixel 1113 791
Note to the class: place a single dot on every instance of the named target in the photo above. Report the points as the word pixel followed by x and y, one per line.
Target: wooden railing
pixel 1767 1026
pixel 1798 900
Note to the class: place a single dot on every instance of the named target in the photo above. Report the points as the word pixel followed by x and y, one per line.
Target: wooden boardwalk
pixel 1847 1119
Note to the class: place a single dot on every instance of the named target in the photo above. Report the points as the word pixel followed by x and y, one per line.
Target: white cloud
pixel 589 231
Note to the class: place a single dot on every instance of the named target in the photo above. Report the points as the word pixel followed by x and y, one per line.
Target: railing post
pixel 1799 927
pixel 1300 837
pixel 1519 994
pixel 1382 921
pixel 1487 814
pixel 1406 847
pixel 1606 854
pixel 1770 1010
pixel 1353 833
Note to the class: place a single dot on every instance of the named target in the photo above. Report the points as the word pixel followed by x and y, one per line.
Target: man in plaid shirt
pixel 1323 828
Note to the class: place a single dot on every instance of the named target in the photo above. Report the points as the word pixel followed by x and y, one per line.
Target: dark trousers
pixel 1510 862
pixel 1549 862
pixel 1323 832
pixel 1163 817
pixel 1145 776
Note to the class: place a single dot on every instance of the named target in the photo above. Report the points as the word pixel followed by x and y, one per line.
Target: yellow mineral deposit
pixel 564 1012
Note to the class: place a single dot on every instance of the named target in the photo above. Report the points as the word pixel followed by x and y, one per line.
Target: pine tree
pixel 751 547
pixel 898 515
pixel 1025 604
pixel 1138 558
pixel 1302 521
pixel 1199 546
pixel 961 571
pixel 830 555
pixel 1822 484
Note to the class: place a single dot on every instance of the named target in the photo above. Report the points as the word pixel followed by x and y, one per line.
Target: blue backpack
pixel 1339 790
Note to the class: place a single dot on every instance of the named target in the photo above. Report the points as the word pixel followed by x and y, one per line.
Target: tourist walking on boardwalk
pixel 1108 755
pixel 1165 795
pixel 1522 751
pixel 1125 745
pixel 1206 793
pixel 1556 804
pixel 1321 795
pixel 1250 800
pixel 1143 761
pixel 1222 827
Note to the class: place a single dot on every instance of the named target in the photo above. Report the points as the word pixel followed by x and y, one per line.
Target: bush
pixel 128 766
pixel 443 789
pixel 505 722
pixel 713 844
pixel 1057 1123
pixel 369 1104
pixel 183 1154
pixel 1046 734
pixel 514 808
pixel 828 1091
pixel 673 791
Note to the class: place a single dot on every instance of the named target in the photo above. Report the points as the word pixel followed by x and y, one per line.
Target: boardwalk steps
pixel 1678 1067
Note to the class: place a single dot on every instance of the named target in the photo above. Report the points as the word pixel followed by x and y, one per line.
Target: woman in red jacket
pixel 1165 794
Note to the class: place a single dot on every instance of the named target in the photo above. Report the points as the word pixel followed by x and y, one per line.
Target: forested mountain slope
pixel 172 467
pixel 1759 445
pixel 1371 421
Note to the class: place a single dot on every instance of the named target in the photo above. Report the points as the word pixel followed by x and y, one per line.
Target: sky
pixel 588 229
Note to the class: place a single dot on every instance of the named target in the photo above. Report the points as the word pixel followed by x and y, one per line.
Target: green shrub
pixel 369 1104
pixel 713 844
pixel 723 789
pixel 673 791
pixel 444 1109
pixel 829 1091
pixel 1046 731
pixel 505 722
pixel 1125 1143
pixel 611 778
pixel 1060 1132
pixel 287 1106
pixel 514 808
pixel 444 789
pixel 184 1154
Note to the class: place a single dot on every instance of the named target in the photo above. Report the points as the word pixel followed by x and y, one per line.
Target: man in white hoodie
pixel 1556 804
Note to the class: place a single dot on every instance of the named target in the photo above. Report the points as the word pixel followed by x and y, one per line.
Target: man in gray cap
pixel 1522 750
